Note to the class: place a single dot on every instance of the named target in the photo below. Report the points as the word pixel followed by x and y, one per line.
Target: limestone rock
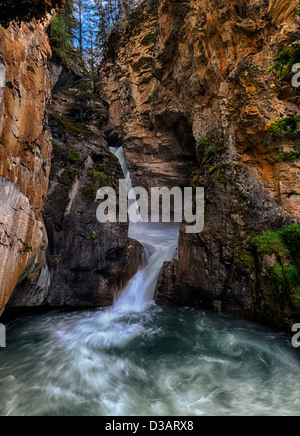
pixel 25 150
pixel 188 70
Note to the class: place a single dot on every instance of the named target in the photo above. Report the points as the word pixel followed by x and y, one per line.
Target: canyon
pixel 180 78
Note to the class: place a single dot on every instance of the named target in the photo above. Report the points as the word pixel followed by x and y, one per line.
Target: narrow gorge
pixel 192 93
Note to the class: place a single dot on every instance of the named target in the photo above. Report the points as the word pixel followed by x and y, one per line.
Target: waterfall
pixel 160 241
pixel 137 358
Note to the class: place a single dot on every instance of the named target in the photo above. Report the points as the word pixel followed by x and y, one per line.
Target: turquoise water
pixel 156 362
pixel 139 359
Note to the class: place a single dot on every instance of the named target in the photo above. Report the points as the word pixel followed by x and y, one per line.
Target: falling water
pixel 160 242
pixel 139 359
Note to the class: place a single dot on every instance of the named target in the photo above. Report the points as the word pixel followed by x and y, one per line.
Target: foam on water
pixel 138 359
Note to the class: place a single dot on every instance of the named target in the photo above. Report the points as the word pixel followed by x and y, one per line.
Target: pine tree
pixel 79 8
pixel 62 32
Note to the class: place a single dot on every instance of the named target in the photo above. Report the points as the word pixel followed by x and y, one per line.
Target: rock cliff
pixel 87 263
pixel 190 96
pixel 25 151
pixel 53 250
pixel 194 95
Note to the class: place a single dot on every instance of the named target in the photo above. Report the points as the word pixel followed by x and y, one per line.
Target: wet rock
pixel 185 72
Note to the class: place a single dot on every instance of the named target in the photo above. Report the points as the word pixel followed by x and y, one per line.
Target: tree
pixel 62 33
pixel 124 9
pixel 79 8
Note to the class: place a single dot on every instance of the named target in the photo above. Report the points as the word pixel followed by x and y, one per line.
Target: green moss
pixel 98 176
pixel 221 178
pixel 296 294
pixel 287 276
pixel 124 25
pixel 218 167
pixel 246 258
pixel 100 166
pixel 155 93
pixel 270 243
pixel 74 157
pixel 242 197
pixel 113 156
pixel 55 144
pixel 210 149
pixel 288 156
pixel 72 174
pixel 73 127
pixel 195 181
pixel 89 191
pixel 285 245
pixel 291 237
pixel 203 142
pixel 94 236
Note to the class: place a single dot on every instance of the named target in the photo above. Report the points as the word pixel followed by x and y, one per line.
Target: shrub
pixel 285 125
pixel 289 156
pixel 74 157
pixel 72 174
pixel 155 93
pixel 291 237
pixel 269 243
pixel 97 175
pixel 94 236
pixel 89 191
pixel 100 166
pixel 285 61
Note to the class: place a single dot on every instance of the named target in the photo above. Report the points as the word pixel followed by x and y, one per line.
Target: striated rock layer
pixel 184 70
pixel 25 151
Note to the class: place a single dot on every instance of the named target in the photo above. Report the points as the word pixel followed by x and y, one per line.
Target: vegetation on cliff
pixel 283 270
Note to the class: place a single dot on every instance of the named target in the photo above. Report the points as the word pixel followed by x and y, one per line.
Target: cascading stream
pixel 160 241
pixel 139 359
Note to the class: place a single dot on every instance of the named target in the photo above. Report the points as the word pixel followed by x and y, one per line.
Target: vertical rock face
pixel 25 151
pixel 197 70
pixel 87 263
pixel 53 250
pixel 158 140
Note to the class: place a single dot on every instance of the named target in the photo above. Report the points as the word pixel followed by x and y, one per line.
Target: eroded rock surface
pixel 87 263
pixel 25 150
pixel 191 71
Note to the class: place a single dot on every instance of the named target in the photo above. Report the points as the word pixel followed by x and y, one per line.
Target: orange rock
pixel 25 151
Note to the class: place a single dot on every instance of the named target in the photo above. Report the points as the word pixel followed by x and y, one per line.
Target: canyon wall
pixel 190 95
pixel 54 252
pixel 87 262
pixel 25 151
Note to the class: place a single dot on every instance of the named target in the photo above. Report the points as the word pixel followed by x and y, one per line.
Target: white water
pixel 160 241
